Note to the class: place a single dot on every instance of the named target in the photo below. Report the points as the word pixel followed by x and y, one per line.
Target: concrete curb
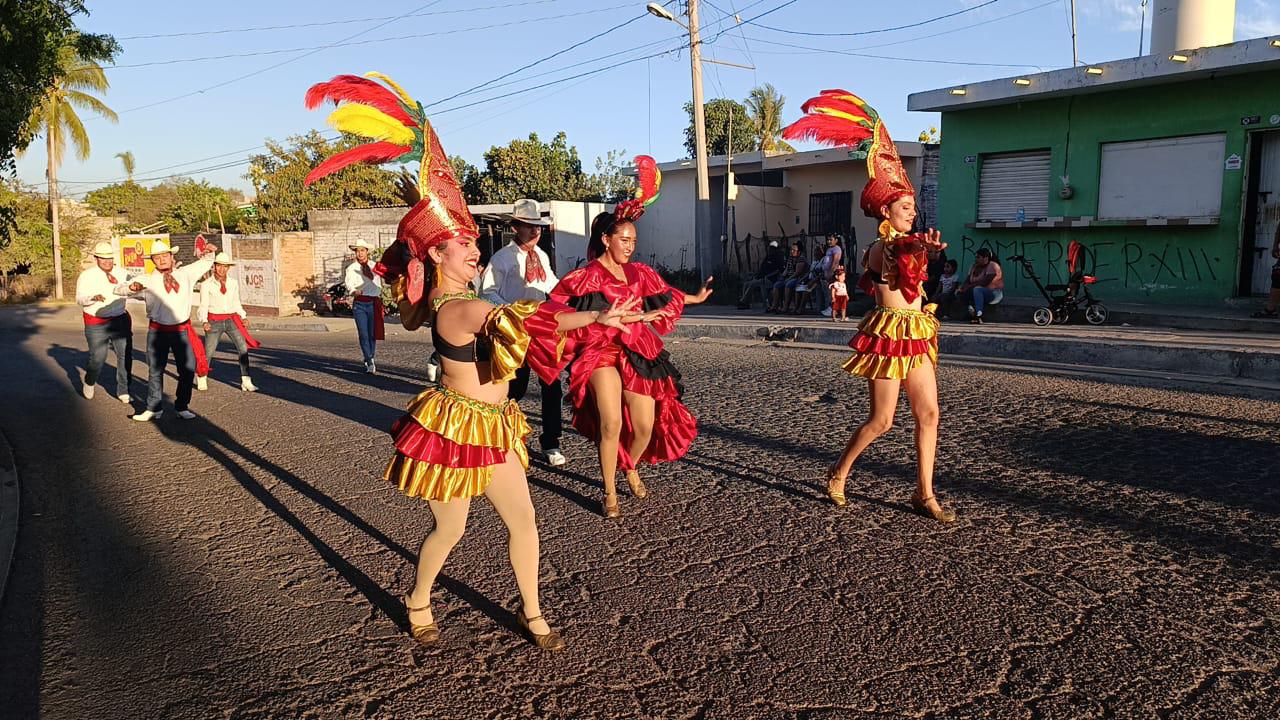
pixel 1124 354
pixel 266 326
pixel 9 507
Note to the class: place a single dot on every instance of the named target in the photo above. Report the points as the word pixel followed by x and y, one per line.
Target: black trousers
pixel 552 395
pixel 160 343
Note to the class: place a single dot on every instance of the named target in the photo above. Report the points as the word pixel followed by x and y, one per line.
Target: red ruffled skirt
pixel 674 427
pixel 891 342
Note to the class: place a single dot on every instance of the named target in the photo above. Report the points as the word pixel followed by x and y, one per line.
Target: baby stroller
pixel 1067 298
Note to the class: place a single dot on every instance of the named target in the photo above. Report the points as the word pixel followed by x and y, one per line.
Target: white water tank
pixel 1191 24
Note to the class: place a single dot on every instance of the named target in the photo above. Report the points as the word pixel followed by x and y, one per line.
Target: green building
pixel 1165 167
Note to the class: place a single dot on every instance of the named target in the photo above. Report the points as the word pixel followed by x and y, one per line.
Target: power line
pixel 880 30
pixel 415 36
pixel 279 64
pixel 330 22
pixel 901 59
pixel 539 61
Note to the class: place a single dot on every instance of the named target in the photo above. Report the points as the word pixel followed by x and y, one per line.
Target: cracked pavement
pixel 1115 554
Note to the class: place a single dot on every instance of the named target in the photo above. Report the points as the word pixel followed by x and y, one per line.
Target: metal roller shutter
pixel 1014 180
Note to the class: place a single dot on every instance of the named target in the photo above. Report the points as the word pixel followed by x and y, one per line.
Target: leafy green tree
pixel 468 176
pixel 30 249
pixel 56 118
pixel 534 169
pixel 727 124
pixel 117 199
pixel 195 206
pixel 282 199
pixel 764 106
pixel 611 183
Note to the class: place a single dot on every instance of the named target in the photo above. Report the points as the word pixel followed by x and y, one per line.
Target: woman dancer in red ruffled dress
pixel 463 438
pixel 897 340
pixel 625 390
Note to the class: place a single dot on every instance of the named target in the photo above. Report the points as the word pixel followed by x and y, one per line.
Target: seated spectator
pixel 812 286
pixel 946 287
pixel 793 272
pixel 984 286
pixel 937 262
pixel 768 273
pixel 839 297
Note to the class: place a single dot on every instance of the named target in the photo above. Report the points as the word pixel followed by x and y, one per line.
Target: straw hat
pixel 223 259
pixel 104 250
pixel 361 243
pixel 160 247
pixel 526 211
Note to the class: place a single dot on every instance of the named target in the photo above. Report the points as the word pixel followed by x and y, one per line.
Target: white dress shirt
pixel 94 282
pixel 503 280
pixel 169 308
pixel 358 284
pixel 213 300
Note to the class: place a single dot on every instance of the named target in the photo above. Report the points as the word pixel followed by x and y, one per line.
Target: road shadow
pixel 234 457
pixel 391 378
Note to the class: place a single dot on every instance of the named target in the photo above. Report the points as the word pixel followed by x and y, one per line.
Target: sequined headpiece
pixel 840 118
pixel 400 132
pixel 646 193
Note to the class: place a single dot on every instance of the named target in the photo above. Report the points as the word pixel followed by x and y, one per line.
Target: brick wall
pixel 334 230
pixel 295 268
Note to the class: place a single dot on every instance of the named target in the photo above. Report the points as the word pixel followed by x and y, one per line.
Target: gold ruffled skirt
pixel 891 342
pixel 448 443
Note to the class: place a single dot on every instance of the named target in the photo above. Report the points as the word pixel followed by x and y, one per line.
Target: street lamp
pixel 702 206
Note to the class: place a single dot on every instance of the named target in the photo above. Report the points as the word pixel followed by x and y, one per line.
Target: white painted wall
pixel 572 221
pixel 664 236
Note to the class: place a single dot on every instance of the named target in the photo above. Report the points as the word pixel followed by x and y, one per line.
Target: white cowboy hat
pixel 104 250
pixel 526 211
pixel 223 259
pixel 161 247
pixel 361 244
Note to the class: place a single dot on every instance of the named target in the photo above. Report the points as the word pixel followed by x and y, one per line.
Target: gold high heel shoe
pixel 424 634
pixel 837 496
pixel 550 641
pixel 611 510
pixel 638 490
pixel 942 515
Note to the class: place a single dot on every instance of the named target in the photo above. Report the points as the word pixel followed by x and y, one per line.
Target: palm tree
pixel 126 159
pixel 764 106
pixel 56 117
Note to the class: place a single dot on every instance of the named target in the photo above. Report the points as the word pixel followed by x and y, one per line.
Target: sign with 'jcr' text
pixel 258 283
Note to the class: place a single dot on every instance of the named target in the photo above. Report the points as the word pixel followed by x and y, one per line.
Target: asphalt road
pixel 1115 554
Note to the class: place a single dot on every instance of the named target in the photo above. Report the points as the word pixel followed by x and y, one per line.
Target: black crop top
pixel 478 351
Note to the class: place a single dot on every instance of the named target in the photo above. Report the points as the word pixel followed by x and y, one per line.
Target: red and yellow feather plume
pixel 648 188
pixel 393 122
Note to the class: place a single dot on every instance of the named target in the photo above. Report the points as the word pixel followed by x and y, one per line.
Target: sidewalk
pixel 1212 353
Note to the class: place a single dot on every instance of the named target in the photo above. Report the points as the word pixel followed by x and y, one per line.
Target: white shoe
pixel 202 382
pixel 555 458
pixel 88 391
pixel 433 372
pixel 371 368
pixel 124 398
pixel 148 415
pixel 186 415
pixel 826 313
pixel 247 385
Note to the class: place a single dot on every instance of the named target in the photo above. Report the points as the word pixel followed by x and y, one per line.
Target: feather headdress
pixel 646 193
pixel 840 118
pixel 398 130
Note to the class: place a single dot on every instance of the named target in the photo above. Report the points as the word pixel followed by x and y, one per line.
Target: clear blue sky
pixel 449 46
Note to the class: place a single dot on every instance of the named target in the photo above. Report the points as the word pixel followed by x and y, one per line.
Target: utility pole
pixel 1075 55
pixel 702 207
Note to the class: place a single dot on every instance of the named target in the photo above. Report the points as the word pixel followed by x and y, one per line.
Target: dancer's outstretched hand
pixel 932 240
pixel 621 313
pixel 703 293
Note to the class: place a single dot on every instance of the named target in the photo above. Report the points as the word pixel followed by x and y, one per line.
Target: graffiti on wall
pixel 1122 263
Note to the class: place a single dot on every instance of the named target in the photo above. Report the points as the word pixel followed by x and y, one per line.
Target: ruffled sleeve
pixel 524 333
pixel 656 294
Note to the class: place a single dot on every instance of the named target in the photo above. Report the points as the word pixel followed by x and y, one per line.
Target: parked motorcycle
pixel 336 300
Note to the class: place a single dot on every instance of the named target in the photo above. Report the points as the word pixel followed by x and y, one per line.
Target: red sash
pixel 95 320
pixel 235 318
pixel 379 329
pixel 197 347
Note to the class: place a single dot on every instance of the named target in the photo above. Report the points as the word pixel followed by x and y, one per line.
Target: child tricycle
pixel 1065 299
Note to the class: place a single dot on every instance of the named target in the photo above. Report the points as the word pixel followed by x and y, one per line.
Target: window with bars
pixel 830 213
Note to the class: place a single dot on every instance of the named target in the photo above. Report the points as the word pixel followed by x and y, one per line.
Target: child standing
pixel 839 297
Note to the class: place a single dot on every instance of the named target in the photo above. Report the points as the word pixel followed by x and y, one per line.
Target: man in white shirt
pixel 365 286
pixel 106 321
pixel 522 271
pixel 168 292
pixel 220 312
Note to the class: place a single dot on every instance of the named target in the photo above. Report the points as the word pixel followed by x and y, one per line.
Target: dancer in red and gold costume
pixel 897 340
pixel 463 438
pixel 625 390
